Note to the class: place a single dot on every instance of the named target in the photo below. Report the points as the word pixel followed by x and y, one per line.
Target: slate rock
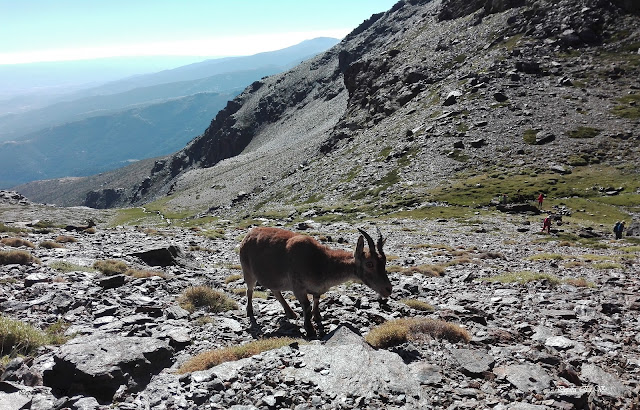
pixel 346 361
pixel 527 377
pixel 34 278
pixel 559 342
pixel 426 373
pixel 608 384
pixel 473 363
pixel 97 365
pixel 165 256
pixel 111 282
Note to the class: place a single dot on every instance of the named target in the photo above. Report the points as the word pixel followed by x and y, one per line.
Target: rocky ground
pixel 538 345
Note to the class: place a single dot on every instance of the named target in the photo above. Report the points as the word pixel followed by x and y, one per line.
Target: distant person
pixel 503 199
pixel 616 230
pixel 620 230
pixel 540 199
pixel 546 224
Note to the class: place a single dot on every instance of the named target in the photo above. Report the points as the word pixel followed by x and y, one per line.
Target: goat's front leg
pixel 306 313
pixel 287 309
pixel 316 315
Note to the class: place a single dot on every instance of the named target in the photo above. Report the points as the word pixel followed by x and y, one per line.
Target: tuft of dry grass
pixel 232 278
pixel 50 245
pixel 17 258
pixel 257 294
pixel 426 270
pixel 205 297
pixel 64 266
pixel 395 332
pixel 418 305
pixel 19 338
pixel 111 267
pixel 580 283
pixel 17 242
pixel 65 239
pixel 522 277
pixel 213 358
pixel 141 273
pixel 115 267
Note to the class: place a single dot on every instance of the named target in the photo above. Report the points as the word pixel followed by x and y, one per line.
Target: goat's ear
pixel 359 247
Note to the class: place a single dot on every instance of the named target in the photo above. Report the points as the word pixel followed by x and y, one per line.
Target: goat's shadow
pixel 284 328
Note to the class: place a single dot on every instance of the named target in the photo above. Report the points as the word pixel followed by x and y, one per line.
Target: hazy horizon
pixel 76 30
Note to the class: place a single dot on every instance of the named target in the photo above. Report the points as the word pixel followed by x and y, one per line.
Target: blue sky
pixel 48 30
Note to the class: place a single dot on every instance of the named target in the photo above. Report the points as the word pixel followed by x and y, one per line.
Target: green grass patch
pixel 9 229
pixel 529 136
pixel 19 338
pixel 584 132
pixel 436 212
pixel 607 265
pixel 65 267
pixel 628 107
pixel 136 216
pixel 545 257
pixel 522 277
pixel 582 190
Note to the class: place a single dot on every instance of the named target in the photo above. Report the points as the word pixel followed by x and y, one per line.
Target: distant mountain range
pixel 92 130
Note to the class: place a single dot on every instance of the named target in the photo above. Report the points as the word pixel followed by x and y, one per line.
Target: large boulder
pixel 99 364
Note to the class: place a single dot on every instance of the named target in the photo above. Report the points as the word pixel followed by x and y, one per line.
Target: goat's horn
pixel 381 241
pixel 372 247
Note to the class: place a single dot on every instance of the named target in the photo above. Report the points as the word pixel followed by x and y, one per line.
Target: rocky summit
pixel 455 128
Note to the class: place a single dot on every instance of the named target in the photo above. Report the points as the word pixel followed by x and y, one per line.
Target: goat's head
pixel 370 265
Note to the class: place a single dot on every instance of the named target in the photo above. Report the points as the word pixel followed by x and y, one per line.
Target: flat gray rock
pixel 608 384
pixel 528 377
pixel 473 362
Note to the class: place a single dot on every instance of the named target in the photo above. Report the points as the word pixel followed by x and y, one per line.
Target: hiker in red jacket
pixel 546 224
pixel 540 199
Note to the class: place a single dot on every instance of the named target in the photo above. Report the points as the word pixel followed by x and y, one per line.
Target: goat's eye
pixel 369 265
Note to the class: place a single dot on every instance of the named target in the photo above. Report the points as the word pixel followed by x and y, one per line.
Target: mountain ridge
pixel 407 102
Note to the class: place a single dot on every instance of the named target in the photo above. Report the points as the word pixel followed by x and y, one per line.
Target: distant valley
pixel 91 130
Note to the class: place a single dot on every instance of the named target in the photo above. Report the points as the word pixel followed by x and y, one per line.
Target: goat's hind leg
pixel 316 315
pixel 287 309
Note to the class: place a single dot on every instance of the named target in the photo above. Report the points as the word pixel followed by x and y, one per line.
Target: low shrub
pixel 213 358
pixel 395 332
pixel 205 297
